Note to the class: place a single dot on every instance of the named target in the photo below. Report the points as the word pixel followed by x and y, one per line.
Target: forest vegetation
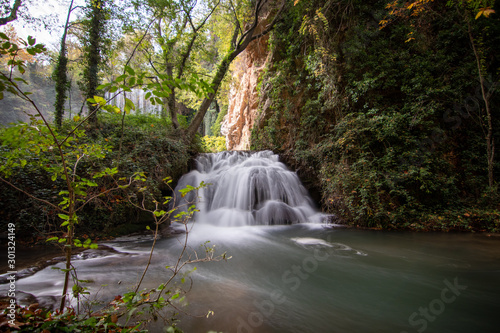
pixel 390 110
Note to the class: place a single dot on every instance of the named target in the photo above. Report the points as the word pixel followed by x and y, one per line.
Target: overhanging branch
pixel 13 13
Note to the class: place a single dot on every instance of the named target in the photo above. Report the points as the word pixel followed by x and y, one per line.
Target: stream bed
pixel 308 278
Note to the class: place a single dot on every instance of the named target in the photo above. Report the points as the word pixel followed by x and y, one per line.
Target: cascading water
pixel 248 188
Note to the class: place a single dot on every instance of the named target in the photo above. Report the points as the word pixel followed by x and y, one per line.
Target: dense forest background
pixel 388 110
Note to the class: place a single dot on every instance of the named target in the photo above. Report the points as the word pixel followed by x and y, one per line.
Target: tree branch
pixel 240 46
pixel 186 55
pixel 13 13
pixel 238 24
pixel 139 43
pixel 271 25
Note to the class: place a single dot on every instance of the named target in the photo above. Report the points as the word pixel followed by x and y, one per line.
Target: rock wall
pixel 243 95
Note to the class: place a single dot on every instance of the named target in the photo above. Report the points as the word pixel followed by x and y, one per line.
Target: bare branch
pixel 139 43
pixel 187 54
pixel 238 24
pixel 207 17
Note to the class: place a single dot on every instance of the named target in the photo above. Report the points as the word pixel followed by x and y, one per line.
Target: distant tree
pixel 60 74
pixel 197 40
pixel 94 42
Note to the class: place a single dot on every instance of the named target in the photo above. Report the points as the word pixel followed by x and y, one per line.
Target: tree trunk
pixel 490 144
pixel 61 75
pixel 217 80
pixel 171 99
pixel 237 47
pixel 94 56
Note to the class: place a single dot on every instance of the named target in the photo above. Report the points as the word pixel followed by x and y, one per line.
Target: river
pixel 300 276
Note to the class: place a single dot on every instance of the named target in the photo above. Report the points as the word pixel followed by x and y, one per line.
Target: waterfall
pixel 247 188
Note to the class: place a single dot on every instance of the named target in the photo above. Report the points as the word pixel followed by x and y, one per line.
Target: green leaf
pixel 63 216
pixel 103 86
pixel 121 77
pixel 186 190
pixel 31 41
pixel 62 240
pixel 94 246
pixel 129 105
pixel 19 79
pixel 129 70
pixel 159 213
pixel 52 239
pixel 99 100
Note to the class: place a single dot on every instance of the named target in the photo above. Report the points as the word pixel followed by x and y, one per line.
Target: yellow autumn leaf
pixel 488 11
pixel 485 11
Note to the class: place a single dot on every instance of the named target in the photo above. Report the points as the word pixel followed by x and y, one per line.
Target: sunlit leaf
pixel 129 70
pixel 100 100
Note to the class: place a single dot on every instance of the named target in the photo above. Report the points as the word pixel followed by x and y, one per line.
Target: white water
pixel 248 188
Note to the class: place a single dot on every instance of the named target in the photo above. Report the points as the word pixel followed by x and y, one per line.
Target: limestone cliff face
pixel 243 96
